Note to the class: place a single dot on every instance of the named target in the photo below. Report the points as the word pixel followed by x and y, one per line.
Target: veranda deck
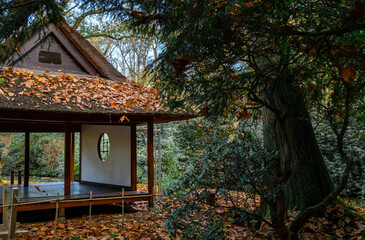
pixel 80 195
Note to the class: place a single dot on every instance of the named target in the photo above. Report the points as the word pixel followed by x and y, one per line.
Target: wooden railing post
pixel 6 202
pixel 90 206
pixel 12 177
pixel 12 226
pixel 19 177
pixel 56 217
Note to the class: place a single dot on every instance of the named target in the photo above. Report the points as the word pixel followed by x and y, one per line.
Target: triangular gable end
pixel 52 51
pixel 50 55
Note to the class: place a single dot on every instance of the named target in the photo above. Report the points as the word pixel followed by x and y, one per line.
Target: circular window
pixel 103 147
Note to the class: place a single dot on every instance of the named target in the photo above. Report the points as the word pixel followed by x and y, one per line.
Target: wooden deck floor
pixel 79 191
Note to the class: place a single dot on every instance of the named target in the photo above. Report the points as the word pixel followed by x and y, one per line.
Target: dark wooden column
pixel 80 155
pixel 134 157
pixel 150 159
pixel 67 178
pixel 26 158
pixel 72 165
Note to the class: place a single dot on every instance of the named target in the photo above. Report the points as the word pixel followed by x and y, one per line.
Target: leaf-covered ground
pixel 149 224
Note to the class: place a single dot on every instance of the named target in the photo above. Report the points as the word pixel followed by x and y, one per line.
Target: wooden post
pixel 159 165
pixel 80 155
pixel 26 159
pixel 134 157
pixel 5 202
pixel 123 209
pixel 61 213
pixel 56 217
pixel 19 177
pixel 90 206
pixel 12 226
pixel 12 177
pixel 150 160
pixel 72 152
pixel 67 180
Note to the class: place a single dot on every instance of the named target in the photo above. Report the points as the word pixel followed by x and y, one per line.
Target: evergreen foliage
pixel 46 156
pixel 21 19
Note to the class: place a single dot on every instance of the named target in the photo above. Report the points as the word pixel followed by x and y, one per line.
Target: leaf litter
pixel 148 224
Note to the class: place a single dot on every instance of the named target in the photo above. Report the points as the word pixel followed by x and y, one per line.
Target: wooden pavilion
pixel 58 82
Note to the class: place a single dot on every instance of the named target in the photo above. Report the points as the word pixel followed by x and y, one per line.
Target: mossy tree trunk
pixel 299 175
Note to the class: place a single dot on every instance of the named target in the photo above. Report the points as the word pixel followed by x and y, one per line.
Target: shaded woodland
pixel 278 87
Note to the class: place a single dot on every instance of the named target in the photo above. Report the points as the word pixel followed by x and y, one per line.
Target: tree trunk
pixel 293 136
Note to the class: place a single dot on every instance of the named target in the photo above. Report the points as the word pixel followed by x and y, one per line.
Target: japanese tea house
pixel 59 82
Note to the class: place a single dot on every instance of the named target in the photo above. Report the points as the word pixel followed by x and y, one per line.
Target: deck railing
pixel 12 177
pixel 10 207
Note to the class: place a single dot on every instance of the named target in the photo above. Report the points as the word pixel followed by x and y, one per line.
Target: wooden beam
pixel 72 165
pixel 26 158
pixel 134 157
pixel 45 118
pixel 29 126
pixel 50 117
pixel 52 205
pixel 67 180
pixel 150 158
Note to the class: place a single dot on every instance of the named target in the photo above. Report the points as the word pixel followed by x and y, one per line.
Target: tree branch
pixel 17 6
pixel 349 28
pixel 92 12
pixel 107 36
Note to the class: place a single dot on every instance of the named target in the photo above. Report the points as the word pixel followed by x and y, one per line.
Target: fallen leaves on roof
pixel 69 92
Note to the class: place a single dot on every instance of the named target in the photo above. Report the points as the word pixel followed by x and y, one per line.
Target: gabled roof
pixel 80 49
pixel 101 96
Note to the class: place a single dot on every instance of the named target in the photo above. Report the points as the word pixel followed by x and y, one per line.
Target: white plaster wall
pixel 116 169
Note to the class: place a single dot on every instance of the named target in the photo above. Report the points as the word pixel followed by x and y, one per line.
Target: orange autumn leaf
pixel 348 74
pixel 148 107
pixel 250 3
pixel 128 104
pixel 246 115
pixel 124 117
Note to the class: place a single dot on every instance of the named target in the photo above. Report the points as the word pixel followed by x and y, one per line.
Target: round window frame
pixel 99 152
